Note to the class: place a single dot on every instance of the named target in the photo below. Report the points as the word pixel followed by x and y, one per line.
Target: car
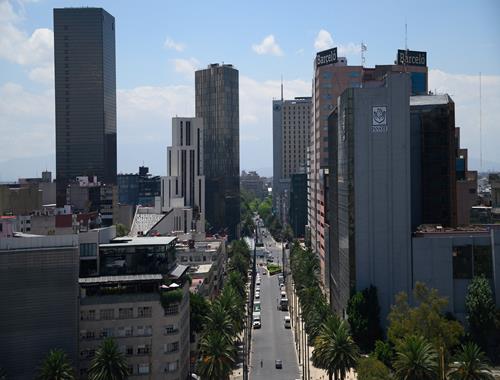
pixel 264 272
pixel 282 287
pixel 258 281
pixel 257 295
pixel 283 295
pixel 257 289
pixel 278 364
pixel 256 324
pixel 287 322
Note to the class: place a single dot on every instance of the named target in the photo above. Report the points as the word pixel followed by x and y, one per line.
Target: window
pixel 106 332
pixel 144 312
pixel 88 250
pixel 143 349
pixel 87 315
pixel 171 347
pixel 171 329
pixel 143 368
pixel 129 350
pixel 483 265
pixel 106 314
pixel 124 313
pixel 172 366
pixel 172 309
pixel 462 262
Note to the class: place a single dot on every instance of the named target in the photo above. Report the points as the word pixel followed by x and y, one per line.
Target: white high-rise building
pixel 183 189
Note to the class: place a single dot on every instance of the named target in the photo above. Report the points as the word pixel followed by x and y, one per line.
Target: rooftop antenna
pixel 406 35
pixel 281 87
pixel 480 125
pixel 363 49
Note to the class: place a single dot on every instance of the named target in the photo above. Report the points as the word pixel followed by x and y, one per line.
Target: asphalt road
pixel 272 341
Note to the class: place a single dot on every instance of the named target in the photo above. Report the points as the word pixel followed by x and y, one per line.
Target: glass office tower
pixel 85 96
pixel 217 102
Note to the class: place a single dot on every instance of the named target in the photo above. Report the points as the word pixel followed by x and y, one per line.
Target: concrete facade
pixel 291 128
pixel 154 339
pixel 184 186
pixel 371 228
pixel 448 259
pixel 39 292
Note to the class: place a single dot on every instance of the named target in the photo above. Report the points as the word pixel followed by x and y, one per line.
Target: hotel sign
pixel 412 58
pixel 326 57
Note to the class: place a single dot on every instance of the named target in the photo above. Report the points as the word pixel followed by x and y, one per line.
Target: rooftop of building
pixel 428 100
pixel 205 246
pixel 438 229
pixel 22 241
pixel 139 241
pixel 200 269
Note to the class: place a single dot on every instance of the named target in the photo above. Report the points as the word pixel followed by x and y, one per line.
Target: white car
pixel 258 281
pixel 257 295
pixel 282 287
pixel 256 324
pixel 257 289
pixel 287 322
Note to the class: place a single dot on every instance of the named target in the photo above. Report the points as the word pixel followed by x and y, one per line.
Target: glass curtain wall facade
pixel 217 102
pixel 85 96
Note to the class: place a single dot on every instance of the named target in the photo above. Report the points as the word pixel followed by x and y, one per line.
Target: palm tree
pixel 218 321
pixel 470 364
pixel 234 306
pixel 217 357
pixel 108 363
pixel 334 349
pixel 416 359
pixel 56 366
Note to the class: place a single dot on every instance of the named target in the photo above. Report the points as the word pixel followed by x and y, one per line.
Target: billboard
pixel 326 57
pixel 412 58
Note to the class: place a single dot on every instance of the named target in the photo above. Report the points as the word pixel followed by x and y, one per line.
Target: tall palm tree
pixel 217 357
pixel 234 306
pixel 218 321
pixel 56 366
pixel 108 363
pixel 334 349
pixel 416 359
pixel 470 364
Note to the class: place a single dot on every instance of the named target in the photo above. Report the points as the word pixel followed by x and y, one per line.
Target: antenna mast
pixel 480 125
pixel 281 87
pixel 363 49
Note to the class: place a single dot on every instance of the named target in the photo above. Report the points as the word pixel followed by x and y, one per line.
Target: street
pixel 272 341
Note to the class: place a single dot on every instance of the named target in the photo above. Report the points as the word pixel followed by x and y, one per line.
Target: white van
pixel 287 322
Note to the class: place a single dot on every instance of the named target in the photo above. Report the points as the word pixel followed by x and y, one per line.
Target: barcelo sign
pixel 326 57
pixel 412 58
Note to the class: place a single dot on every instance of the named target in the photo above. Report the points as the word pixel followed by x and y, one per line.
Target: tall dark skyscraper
pixel 217 102
pixel 85 89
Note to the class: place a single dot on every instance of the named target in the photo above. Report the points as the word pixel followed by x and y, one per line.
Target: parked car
pixel 287 322
pixel 257 295
pixel 278 363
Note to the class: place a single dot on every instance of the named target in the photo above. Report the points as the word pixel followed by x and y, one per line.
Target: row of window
pixel 119 332
pixel 123 313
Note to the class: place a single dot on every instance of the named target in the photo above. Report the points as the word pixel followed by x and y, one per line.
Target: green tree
pixel 371 368
pixel 235 280
pixel 384 352
pixel 480 307
pixel 108 363
pixel 56 366
pixel 416 359
pixel 218 321
pixel 426 319
pixel 234 305
pixel 470 364
pixel 217 357
pixel 364 318
pixel 334 349
pixel 121 230
pixel 199 307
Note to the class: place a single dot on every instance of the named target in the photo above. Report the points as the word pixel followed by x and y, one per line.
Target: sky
pixel 159 45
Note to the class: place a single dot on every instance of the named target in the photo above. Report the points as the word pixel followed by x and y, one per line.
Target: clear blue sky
pixel 155 79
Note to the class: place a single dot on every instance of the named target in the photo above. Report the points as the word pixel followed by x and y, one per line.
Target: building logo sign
pixel 326 57
pixel 379 119
pixel 412 58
